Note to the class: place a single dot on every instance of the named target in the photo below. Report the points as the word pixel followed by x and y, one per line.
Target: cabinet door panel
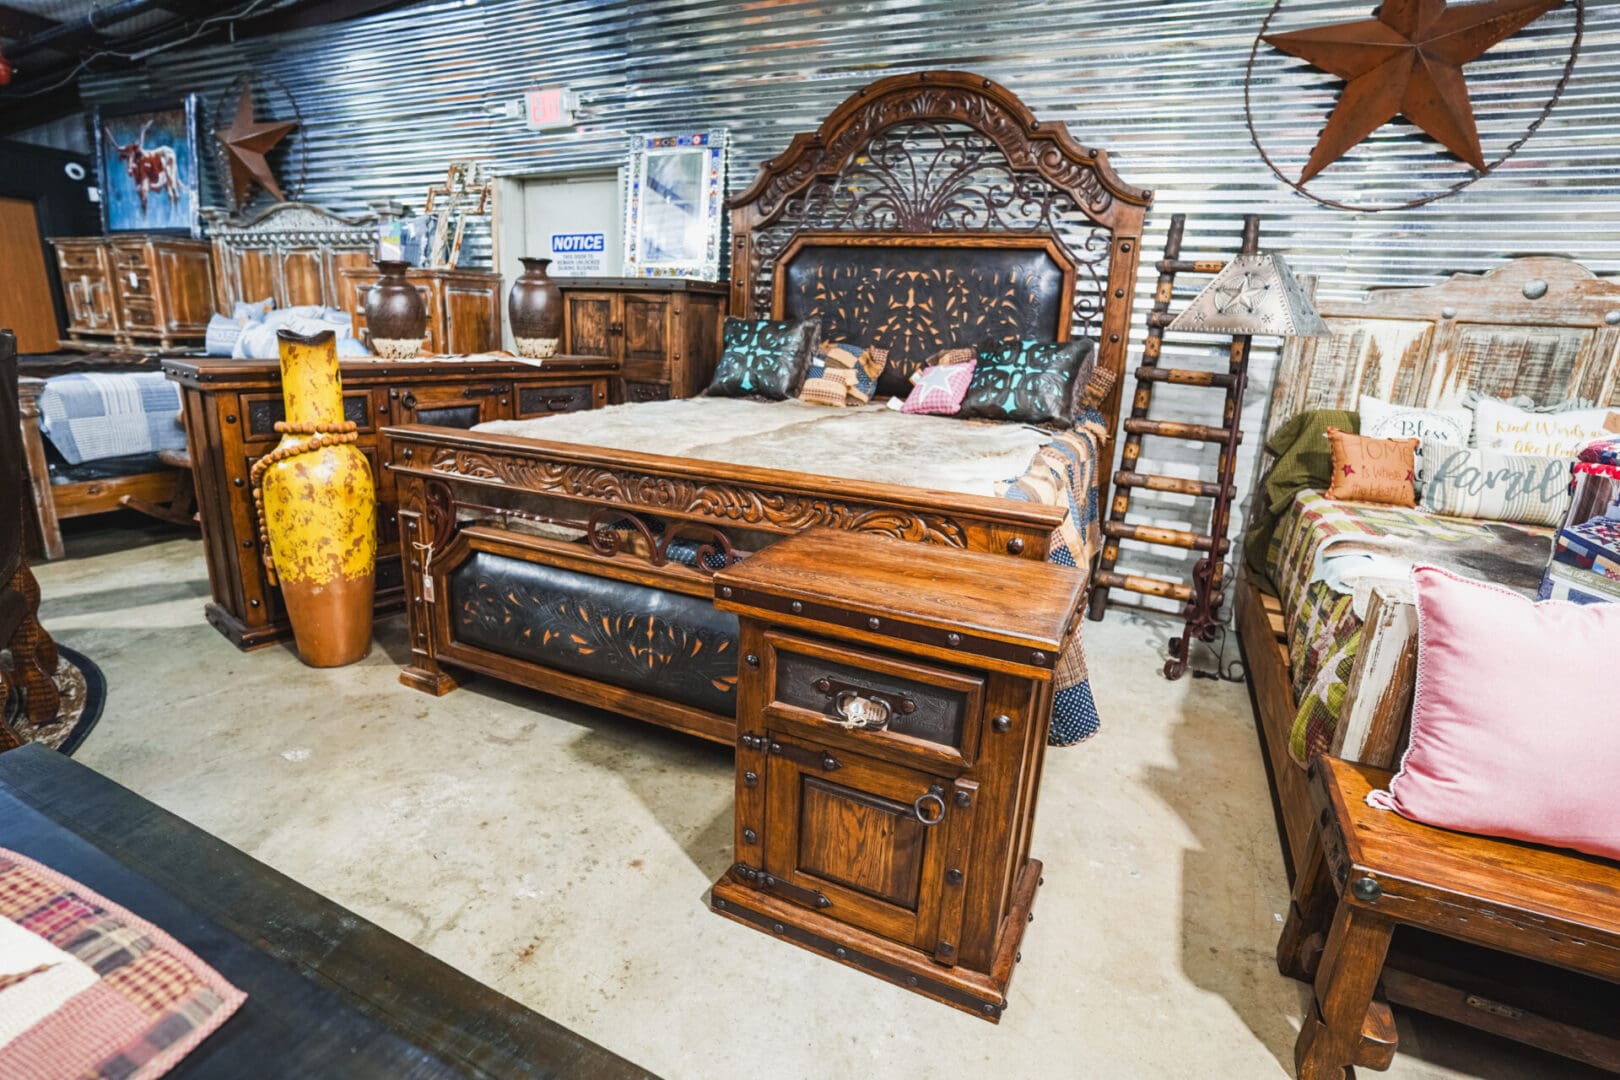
pixel 588 321
pixel 472 318
pixel 646 333
pixel 886 862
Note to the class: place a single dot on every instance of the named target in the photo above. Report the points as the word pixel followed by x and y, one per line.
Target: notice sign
pixel 578 254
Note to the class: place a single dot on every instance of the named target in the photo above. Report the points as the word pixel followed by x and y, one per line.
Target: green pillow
pixel 1021 379
pixel 762 358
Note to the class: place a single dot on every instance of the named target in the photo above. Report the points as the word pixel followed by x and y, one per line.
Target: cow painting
pixel 149 166
pixel 152 172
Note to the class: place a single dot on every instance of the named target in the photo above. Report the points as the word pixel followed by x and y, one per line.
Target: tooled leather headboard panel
pixel 956 163
pixel 917 295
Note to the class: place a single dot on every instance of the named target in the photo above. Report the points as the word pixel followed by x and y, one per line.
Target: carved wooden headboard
pixel 1542 327
pixel 932 210
pixel 291 252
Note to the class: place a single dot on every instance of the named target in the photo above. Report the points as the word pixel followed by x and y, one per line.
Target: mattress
pixel 1325 558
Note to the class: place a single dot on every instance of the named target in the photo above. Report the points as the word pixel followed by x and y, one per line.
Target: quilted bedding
pixel 875 443
pixel 1326 555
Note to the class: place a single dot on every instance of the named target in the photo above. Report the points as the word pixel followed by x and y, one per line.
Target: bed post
pixel 426 521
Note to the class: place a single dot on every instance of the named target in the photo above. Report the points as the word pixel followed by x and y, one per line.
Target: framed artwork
pixel 676 190
pixel 149 167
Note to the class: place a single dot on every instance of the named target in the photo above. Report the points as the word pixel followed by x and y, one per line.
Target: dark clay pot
pixel 395 313
pixel 535 309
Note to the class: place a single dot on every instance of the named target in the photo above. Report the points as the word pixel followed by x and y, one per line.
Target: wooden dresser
pixel 136 289
pixel 231 409
pixel 893 703
pixel 664 334
pixel 464 306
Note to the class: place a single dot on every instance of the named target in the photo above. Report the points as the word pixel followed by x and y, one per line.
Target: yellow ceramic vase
pixel 319 509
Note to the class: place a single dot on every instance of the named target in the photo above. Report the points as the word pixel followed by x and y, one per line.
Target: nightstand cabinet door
pixel 886 846
pixel 646 333
pixel 589 321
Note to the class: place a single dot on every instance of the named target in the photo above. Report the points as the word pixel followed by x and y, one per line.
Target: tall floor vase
pixel 318 509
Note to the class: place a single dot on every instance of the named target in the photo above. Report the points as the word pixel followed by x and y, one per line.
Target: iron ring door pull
pixel 934 795
pixel 860 712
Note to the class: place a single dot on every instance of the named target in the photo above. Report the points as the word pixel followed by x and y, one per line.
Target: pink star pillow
pixel 938 390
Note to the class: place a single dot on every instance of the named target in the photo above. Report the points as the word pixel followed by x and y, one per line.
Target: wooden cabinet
pixel 464 306
pixel 232 407
pixel 665 335
pixel 136 289
pixel 892 709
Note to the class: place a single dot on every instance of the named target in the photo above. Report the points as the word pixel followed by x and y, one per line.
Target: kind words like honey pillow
pixel 1373 470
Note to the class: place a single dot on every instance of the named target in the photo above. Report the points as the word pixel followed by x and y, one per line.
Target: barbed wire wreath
pixel 1512 148
pixel 222 157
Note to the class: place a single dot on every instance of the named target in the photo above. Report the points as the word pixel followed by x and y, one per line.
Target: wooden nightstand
pixel 892 712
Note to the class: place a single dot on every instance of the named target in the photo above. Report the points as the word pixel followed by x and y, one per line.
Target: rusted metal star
pixel 246 143
pixel 1407 61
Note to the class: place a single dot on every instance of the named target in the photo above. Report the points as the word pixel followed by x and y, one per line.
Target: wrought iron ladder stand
pixel 1203 596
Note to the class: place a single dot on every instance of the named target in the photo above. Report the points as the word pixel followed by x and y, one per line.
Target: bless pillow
pixel 1493 485
pixel 1381 420
pixel 1551 432
pixel 1513 720
pixel 1373 470
pixel 763 358
pixel 1024 380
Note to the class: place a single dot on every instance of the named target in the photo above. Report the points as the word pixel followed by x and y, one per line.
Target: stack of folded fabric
pixel 1585 565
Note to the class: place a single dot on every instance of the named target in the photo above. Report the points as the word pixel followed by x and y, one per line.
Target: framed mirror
pixel 674 200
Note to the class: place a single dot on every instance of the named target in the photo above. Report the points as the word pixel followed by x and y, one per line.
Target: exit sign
pixel 548 107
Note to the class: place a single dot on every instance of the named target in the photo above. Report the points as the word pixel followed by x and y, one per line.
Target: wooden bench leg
pixel 1310 914
pixel 1345 1026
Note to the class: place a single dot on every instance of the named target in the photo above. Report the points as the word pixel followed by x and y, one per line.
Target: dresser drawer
pixel 137 313
pixel 129 256
pixel 905 710
pixel 635 391
pixel 78 258
pixel 262 412
pixel 548 399
pixel 133 282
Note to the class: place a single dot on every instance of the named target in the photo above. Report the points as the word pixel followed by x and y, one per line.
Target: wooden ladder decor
pixel 1201 597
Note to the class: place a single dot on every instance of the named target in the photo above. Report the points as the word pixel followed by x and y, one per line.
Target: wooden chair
pixel 33 653
pixel 1369 873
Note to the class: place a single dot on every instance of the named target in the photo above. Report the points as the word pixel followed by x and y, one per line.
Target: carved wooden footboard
pixel 561 567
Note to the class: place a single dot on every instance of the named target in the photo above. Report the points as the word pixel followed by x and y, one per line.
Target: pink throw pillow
pixel 1516 717
pixel 938 390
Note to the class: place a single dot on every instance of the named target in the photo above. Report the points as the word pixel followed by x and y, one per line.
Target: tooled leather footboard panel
pixel 664 644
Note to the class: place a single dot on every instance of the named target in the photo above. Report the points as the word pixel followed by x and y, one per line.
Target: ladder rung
pixel 1202 488
pixel 1153 534
pixel 1172 430
pixel 1149 586
pixel 1185 376
pixel 1191 266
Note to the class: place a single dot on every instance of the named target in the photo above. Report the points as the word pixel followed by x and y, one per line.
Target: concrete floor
pixel 562 855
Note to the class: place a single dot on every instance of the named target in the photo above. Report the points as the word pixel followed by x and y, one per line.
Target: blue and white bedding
pixel 96 415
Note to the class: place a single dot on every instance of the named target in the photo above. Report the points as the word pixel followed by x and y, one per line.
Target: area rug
pixel 84 692
pixel 88 989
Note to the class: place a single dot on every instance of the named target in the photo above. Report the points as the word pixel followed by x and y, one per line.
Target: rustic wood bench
pixel 1368 872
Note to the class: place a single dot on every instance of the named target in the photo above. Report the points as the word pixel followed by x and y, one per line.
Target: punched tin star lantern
pixel 1253 295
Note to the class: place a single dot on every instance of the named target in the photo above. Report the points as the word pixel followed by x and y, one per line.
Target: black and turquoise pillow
pixel 765 359
pixel 1033 381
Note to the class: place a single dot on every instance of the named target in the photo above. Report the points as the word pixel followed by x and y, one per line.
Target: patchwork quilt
pixel 1324 557
pixel 94 415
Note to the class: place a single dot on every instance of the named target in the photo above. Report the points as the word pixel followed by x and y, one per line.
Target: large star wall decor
pixel 1407 61
pixel 246 143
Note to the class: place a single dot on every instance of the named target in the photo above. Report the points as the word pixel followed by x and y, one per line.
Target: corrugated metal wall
pixel 388 100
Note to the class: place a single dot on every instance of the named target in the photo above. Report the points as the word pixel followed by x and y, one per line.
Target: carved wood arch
pixel 1041 163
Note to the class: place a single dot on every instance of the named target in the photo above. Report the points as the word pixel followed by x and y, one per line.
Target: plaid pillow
pixel 844 364
pixel 937 390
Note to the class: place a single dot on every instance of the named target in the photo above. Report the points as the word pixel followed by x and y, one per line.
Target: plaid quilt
pixel 1064 473
pixel 95 415
pixel 89 990
pixel 1324 631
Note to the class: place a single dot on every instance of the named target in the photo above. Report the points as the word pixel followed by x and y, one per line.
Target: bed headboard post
pixel 1040 181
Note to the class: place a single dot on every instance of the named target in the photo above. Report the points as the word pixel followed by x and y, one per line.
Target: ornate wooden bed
pixel 928 210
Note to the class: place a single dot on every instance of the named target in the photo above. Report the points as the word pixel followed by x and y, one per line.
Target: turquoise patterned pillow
pixel 764 359
pixel 1025 380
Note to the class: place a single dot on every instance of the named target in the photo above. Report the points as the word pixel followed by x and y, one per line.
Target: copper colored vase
pixel 396 315
pixel 320 509
pixel 535 308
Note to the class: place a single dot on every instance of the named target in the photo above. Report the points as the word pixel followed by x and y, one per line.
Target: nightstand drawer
pixel 878 701
pixel 545 399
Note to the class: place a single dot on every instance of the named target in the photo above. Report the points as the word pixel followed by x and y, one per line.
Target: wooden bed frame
pixel 293 253
pixel 842 202
pixel 1542 327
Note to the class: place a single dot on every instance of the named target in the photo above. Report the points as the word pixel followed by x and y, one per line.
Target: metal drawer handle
pixel 484 391
pixel 935 795
pixel 860 712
